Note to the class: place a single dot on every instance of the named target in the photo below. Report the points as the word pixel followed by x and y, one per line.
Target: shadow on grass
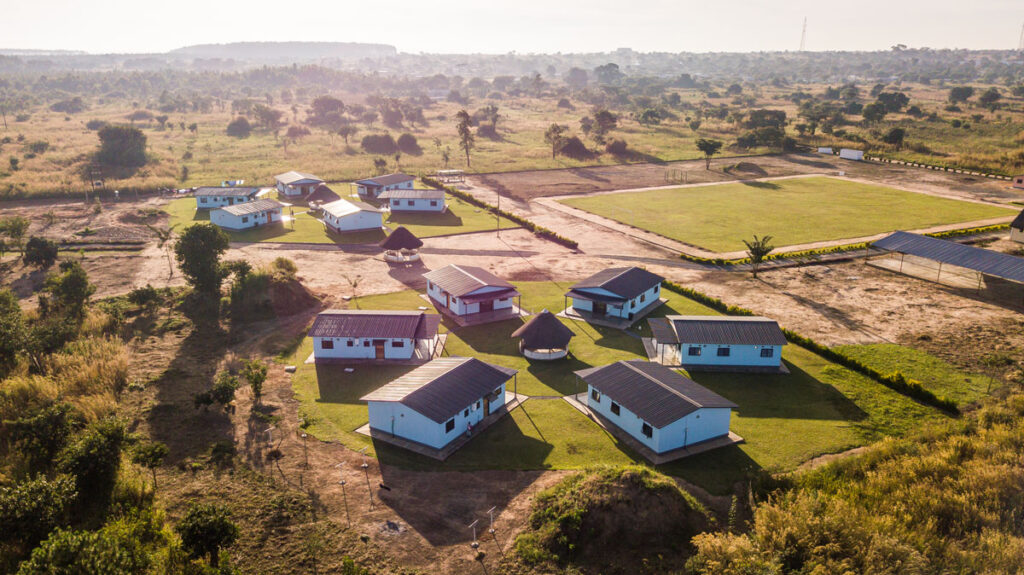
pixel 447 218
pixel 762 185
pixel 339 386
pixel 811 163
pixel 558 374
pixel 717 471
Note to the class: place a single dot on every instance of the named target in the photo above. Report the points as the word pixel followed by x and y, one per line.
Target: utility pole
pixel 803 35
pixel 1020 43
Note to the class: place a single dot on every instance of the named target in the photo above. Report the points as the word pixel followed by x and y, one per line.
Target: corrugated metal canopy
pixel 624 282
pixel 460 280
pixel 653 392
pixel 375 323
pixel 715 329
pixel 987 262
pixel 443 387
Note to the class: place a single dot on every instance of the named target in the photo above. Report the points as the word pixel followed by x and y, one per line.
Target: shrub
pixel 69 106
pixel 94 459
pixel 144 297
pixel 239 128
pixel 284 266
pixel 565 104
pixel 95 125
pixel 122 146
pixel 40 252
pixel 574 148
pixel 205 530
pixel 408 145
pixel 617 147
pixel 31 509
pixel 379 144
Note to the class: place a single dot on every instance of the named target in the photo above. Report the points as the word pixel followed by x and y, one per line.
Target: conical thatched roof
pixel 544 331
pixel 401 239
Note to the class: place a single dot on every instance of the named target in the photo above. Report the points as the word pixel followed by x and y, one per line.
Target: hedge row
pixel 942 168
pixel 969 231
pixel 894 381
pixel 540 231
pixel 777 256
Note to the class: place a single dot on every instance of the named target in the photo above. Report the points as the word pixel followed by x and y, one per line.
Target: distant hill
pixel 287 51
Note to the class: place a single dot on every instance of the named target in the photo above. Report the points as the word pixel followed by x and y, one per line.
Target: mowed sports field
pixel 793 211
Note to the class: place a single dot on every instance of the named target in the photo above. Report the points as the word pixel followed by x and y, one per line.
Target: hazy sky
pixel 499 26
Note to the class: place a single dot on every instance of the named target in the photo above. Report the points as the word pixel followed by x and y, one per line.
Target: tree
pixel 346 131
pixel 326 112
pixel 379 144
pixel 239 128
pixel 874 112
pixel 380 165
pixel 990 98
pixel 764 118
pixel 709 148
pixel 757 250
pixel 94 459
pixel 150 455
pixel 555 137
pixel 960 93
pixel 67 292
pixel 649 117
pixel 31 509
pixel 163 241
pixel 893 101
pixel 603 122
pixel 608 73
pixel 198 252
pixel 122 146
pixel 296 133
pixel 895 137
pixel 269 118
pixel 12 331
pixel 224 387
pixel 41 434
pixel 205 530
pixel 407 143
pixel 255 372
pixel 39 252
pixel 463 126
pixel 576 78
pixel 106 552
pixel 15 227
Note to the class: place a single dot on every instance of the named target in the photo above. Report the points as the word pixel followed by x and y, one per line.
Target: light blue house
pixel 412 200
pixel 209 197
pixel 296 184
pixel 375 336
pixel 470 294
pixel 616 293
pixel 439 401
pixel 371 188
pixel 351 216
pixel 247 215
pixel 719 343
pixel 656 406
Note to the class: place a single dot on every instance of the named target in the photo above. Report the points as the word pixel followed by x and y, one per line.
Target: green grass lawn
pixel 461 217
pixel 793 211
pixel 933 373
pixel 819 408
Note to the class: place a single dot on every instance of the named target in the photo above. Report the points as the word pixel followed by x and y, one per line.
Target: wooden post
pixel 901 261
pixel 938 276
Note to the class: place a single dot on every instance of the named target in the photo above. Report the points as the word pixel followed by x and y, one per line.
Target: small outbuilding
pixel 544 337
pixel 400 246
pixel 850 154
pixel 717 343
pixel 1018 182
pixel 340 335
pixel 413 200
pixel 371 188
pixel 247 215
pixel 351 216
pixel 616 297
pixel 209 197
pixel 825 151
pixel 322 194
pixel 470 295
pixel 296 184
pixel 659 408
pixel 1017 228
pixel 438 402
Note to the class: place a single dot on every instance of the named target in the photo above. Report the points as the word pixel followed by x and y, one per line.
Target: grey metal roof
pixel 401 239
pixel 252 207
pixel 988 262
pixel 341 208
pixel 624 282
pixel 653 392
pixel 544 331
pixel 375 323
pixel 293 176
pixel 225 191
pixel 1018 222
pixel 443 387
pixel 717 329
pixel 460 280
pixel 388 180
pixel 413 194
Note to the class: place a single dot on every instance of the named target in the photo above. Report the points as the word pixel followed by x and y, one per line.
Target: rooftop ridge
pixel 629 364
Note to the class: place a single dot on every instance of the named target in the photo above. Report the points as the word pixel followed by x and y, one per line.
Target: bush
pixel 40 252
pixel 574 148
pixel 239 128
pixel 122 146
pixel 565 104
pixel 94 459
pixel 408 145
pixel 69 106
pixel 379 144
pixel 144 297
pixel 617 147
pixel 95 125
pixel 205 530
pixel 284 266
pixel 31 509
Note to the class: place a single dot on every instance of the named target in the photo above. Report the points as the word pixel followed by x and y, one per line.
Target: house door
pixel 487 406
pixel 378 345
pixel 600 308
pixel 486 306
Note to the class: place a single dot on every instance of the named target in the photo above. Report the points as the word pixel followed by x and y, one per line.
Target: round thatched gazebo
pixel 544 337
pixel 401 246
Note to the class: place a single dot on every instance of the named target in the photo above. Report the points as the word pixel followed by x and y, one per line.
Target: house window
pixel 615 408
pixel 433 203
pixel 351 343
pixel 477 404
pixel 410 203
pixel 642 296
pixel 449 425
pixel 245 219
pixel 396 202
pixel 595 395
pixel 202 200
pixel 723 352
pixel 693 351
pixel 327 344
pixel 767 352
pixel 465 413
pixel 366 343
pixel 397 343
pixel 646 430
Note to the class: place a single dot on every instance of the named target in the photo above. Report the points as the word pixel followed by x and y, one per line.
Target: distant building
pixel 1018 182
pixel 209 197
pixel 351 216
pixel 371 188
pixel 247 215
pixel 296 184
pixel 471 294
pixel 1017 228
pixel 412 200
pixel 848 154
pixel 617 293
pixel 825 151
pixel 718 342
pixel 340 334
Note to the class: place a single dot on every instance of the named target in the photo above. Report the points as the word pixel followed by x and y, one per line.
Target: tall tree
pixel 150 455
pixel 12 331
pixel 709 148
pixel 464 127
pixel 555 137
pixel 255 372
pixel 15 227
pixel 122 146
pixel 205 530
pixel 757 250
pixel 198 251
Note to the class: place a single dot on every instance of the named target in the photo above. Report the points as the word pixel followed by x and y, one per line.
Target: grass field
pixel 792 211
pixel 786 420
pixel 461 217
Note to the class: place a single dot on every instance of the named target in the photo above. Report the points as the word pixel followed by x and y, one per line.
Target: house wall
pixel 1017 235
pixel 397 419
pixel 1018 182
pixel 357 221
pixel 231 221
pixel 739 355
pixel 848 154
pixel 641 301
pixel 209 202
pixel 416 205
pixel 701 425
pixel 459 307
pixel 300 188
pixel 363 348
pixel 377 190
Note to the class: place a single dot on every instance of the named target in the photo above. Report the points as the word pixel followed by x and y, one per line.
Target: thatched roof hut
pixel 544 337
pixel 401 239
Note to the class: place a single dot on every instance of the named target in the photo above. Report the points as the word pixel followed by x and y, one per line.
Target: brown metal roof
pixel 443 387
pixel 460 280
pixel 626 283
pixel 401 239
pixel 717 329
pixel 226 192
pixel 253 207
pixel 375 323
pixel 653 392
pixel 544 331
pixel 388 180
pixel 414 194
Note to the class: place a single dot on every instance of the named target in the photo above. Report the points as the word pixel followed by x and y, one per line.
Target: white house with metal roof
pixel 439 401
pixel 351 216
pixel 247 215
pixel 347 334
pixel 296 184
pixel 618 293
pixel 1017 228
pixel 413 200
pixel 373 187
pixel 209 197
pixel 658 407
pixel 717 342
pixel 471 294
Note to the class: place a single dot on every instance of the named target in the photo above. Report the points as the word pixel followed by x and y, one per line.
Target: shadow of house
pixel 809 162
pixel 447 218
pixel 762 185
pixel 719 471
